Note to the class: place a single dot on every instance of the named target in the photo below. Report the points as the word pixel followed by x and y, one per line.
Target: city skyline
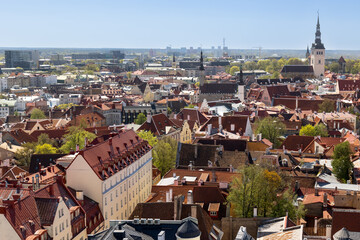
pixel 118 24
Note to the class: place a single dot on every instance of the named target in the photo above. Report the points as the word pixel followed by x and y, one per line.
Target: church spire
pixel 201 62
pixel 318 44
pixel 241 76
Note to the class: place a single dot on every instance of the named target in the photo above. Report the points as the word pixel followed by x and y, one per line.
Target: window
pixel 56 231
pixel 105 201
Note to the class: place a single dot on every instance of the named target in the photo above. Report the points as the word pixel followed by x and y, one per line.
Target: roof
pixel 303 104
pixel 158 124
pixel 219 88
pixel 277 91
pixel 295 142
pixel 188 230
pixel 297 69
pixel 345 218
pixel 238 123
pixel 118 151
pixel 348 85
pixel 192 114
pixel 47 209
pixel 20 136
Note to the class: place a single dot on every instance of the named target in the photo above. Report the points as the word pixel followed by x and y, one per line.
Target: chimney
pixel 255 212
pixel 315 225
pixel 119 234
pixel 328 231
pixel 176 182
pixel 80 196
pixel 161 235
pixel 213 179
pixel 190 197
pixel 170 194
pixel 51 190
pixel 297 186
pixel 209 128
pixel 194 211
pixel 231 168
pixel 148 118
pixel 167 196
pixel 325 200
pixel 316 192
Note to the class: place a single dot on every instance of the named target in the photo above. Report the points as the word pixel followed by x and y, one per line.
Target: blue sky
pixel 158 23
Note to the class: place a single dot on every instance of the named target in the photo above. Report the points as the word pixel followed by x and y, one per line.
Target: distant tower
pixel 173 61
pixel 318 53
pixel 201 70
pixel 241 85
pixel 307 54
pixel 342 64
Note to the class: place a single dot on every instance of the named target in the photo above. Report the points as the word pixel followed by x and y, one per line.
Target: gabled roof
pixel 115 153
pixel 297 69
pixel 219 88
pixel 277 91
pixel 348 85
pixel 21 136
pixel 47 210
pixel 158 124
pixel 22 215
pixel 192 114
pixel 239 123
pixel 294 142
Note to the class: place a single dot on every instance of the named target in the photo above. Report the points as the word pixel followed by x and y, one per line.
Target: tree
pixel 140 119
pixel 190 106
pixel 45 149
pixel 341 164
pixel 295 61
pixel 164 154
pixel 23 156
pixel 37 114
pixel 234 69
pixel 197 84
pixel 334 67
pixel 264 189
pixel 327 106
pixel 148 136
pixel 321 130
pixel 307 130
pixel 76 137
pixel 44 138
pixel 271 129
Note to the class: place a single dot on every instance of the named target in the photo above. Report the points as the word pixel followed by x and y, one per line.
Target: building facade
pixel 116 173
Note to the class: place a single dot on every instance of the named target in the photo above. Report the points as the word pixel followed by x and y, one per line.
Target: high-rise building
pixel 21 58
pixel 318 53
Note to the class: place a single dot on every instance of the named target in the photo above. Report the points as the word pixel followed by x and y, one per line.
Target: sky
pixel 245 24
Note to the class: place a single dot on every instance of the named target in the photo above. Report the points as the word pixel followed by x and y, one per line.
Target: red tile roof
pixel 158 124
pixel 112 155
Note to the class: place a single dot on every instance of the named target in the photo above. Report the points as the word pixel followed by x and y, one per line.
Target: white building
pixel 70 98
pixel 116 173
pixel 3 84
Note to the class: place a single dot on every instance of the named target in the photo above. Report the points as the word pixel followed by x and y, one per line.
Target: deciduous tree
pixel 76 137
pixel 37 114
pixel 164 154
pixel 148 136
pixel 271 129
pixel 341 164
pixel 140 119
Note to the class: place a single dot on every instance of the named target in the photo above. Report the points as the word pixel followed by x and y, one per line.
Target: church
pixel 219 91
pixel 317 56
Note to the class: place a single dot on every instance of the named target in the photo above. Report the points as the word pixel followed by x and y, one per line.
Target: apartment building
pixel 116 173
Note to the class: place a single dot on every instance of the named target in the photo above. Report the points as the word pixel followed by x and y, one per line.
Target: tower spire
pixel 201 62
pixel 318 44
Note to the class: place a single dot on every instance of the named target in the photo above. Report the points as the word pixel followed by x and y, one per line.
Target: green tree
pixel 76 136
pixel 271 129
pixel 45 149
pixel 318 130
pixel 190 106
pixel 341 164
pixel 327 106
pixel 295 61
pixel 44 138
pixel 140 119
pixel 37 114
pixel 334 67
pixel 321 130
pixel 164 154
pixel 169 111
pixel 148 136
pixel 264 189
pixel 234 69
pixel 23 156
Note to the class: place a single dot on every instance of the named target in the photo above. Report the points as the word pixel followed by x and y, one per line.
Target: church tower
pixel 201 71
pixel 241 85
pixel 318 53
pixel 173 65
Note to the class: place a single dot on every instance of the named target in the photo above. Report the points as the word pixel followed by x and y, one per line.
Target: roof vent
pixel 157 221
pixel 143 221
pixel 136 221
pixel 150 221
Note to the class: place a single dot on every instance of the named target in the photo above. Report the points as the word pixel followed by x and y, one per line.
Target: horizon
pixel 140 24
